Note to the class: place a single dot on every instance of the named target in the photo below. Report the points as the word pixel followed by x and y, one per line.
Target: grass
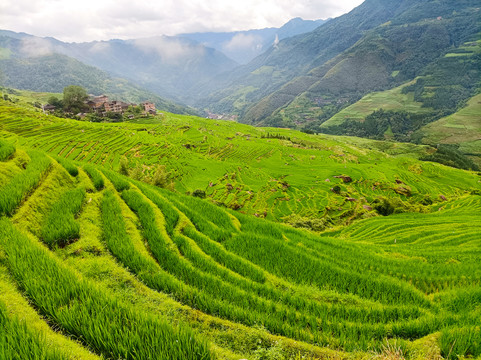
pixel 68 165
pixel 95 176
pixel 392 99
pixel 103 323
pixel 60 226
pixel 6 150
pixel 17 341
pixel 462 127
pixel 21 184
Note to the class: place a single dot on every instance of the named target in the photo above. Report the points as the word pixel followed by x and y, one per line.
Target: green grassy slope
pixel 279 174
pixel 140 272
pixel 393 99
pixel 462 127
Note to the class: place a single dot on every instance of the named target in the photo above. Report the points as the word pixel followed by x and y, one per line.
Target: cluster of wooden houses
pixel 102 105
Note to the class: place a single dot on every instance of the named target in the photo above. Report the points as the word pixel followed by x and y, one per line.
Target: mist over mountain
pixel 243 46
pixel 171 67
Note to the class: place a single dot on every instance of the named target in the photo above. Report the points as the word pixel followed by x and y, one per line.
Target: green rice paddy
pixel 94 264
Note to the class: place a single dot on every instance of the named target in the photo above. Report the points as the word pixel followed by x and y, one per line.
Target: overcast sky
pixel 88 20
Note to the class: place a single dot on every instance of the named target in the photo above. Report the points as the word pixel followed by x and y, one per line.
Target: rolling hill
pixel 130 270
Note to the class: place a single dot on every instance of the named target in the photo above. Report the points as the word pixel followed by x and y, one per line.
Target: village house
pixel 116 106
pixel 149 107
pixel 102 105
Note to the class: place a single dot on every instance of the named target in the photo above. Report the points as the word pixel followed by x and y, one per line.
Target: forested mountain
pixel 378 45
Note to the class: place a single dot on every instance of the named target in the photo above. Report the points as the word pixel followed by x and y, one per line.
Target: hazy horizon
pixel 90 20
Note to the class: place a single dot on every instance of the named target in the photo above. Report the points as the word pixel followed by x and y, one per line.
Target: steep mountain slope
pixel 405 112
pixel 27 64
pixel 461 130
pixel 243 46
pixel 378 45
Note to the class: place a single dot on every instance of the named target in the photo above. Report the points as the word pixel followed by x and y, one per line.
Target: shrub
pixel 199 193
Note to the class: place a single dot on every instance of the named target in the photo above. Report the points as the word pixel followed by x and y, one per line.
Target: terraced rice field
pixel 137 272
pixel 278 174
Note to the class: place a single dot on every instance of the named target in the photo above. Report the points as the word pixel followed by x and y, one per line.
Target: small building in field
pixel 49 107
pixel 149 107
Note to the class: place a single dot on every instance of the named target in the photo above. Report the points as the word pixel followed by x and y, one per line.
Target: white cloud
pixel 88 20
pixel 35 47
pixel 243 41
pixel 169 49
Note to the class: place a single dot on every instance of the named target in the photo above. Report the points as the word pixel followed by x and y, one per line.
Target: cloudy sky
pixel 87 20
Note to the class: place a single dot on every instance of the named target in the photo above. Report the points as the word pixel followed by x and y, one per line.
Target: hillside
pixel 31 65
pixel 419 110
pixel 278 174
pixel 134 271
pixel 462 129
pixel 377 46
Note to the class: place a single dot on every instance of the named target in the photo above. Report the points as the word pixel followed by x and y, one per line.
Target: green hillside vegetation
pixel 462 128
pixel 309 181
pixel 393 99
pixel 417 110
pixel 134 271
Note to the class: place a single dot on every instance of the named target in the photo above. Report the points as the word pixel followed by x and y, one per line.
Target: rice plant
pixel 60 226
pixel 104 323
pixel 120 183
pixel 68 165
pixel 17 341
pixel 6 150
pixel 21 184
pixel 95 176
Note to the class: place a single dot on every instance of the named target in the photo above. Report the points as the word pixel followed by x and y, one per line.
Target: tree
pixel 53 100
pixel 74 98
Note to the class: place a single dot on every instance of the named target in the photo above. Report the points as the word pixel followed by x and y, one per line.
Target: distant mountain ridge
pixel 175 67
pixel 244 46
pixel 168 66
